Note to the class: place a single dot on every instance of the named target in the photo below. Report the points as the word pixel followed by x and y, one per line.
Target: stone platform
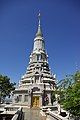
pixel 32 114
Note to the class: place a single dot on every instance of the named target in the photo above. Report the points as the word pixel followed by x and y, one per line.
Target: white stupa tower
pixel 38 83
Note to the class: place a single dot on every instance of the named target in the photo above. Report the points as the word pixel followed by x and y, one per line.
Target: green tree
pixel 71 94
pixel 53 99
pixel 72 99
pixel 5 86
pixel 76 77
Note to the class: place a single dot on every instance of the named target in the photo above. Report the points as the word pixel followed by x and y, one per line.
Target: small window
pixel 25 98
pixel 38 57
pixel 37 77
pixel 20 98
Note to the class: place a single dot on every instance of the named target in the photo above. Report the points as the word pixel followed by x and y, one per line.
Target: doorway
pixel 35 102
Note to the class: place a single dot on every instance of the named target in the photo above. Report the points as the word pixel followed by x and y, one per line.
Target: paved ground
pixel 32 114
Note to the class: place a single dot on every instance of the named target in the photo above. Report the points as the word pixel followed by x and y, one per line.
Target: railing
pixel 52 115
pixel 42 115
pixel 18 115
pixel 12 113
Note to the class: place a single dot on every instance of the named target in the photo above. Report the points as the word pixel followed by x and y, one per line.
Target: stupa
pixel 37 84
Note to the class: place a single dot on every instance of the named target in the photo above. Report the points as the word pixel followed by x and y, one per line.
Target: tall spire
pixel 39 33
pixel 39 43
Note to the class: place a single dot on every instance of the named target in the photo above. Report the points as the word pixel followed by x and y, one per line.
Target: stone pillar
pixel 22 101
pixel 49 95
pixel 59 108
pixel 29 100
pixel 39 79
pixel 40 100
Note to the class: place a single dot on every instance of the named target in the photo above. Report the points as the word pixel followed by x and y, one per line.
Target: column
pixel 49 95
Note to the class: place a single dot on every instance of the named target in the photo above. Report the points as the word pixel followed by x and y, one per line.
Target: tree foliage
pixel 53 99
pixel 6 86
pixel 72 99
pixel 71 93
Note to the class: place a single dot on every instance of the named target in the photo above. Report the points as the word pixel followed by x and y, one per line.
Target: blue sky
pixel 60 21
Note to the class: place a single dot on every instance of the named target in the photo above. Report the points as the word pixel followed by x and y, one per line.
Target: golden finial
pixel 39 15
pixel 39 32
